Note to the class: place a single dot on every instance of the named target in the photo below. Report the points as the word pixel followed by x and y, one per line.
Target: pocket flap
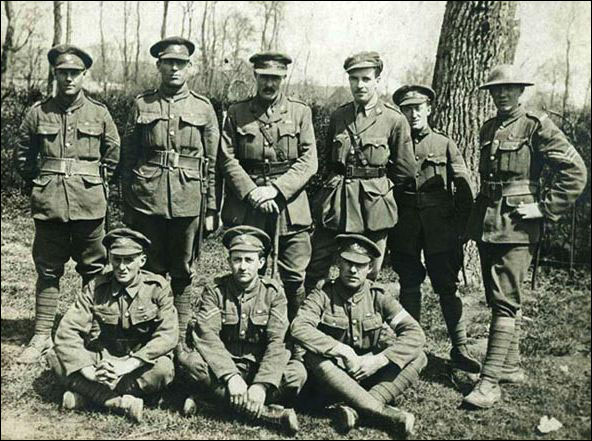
pixel 42 180
pixel 92 180
pixel 193 119
pixel 147 118
pixel 106 315
pixel 438 160
pixel 287 130
pixel 335 321
pixel 229 318
pixel 191 175
pixel 247 130
pixel 375 142
pixel 374 322
pixel 260 319
pixel 509 146
pixel 376 187
pixel 92 129
pixel 143 313
pixel 48 129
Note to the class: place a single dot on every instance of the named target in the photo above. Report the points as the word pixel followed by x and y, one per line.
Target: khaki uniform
pixel 513 153
pixel 109 321
pixel 370 152
pixel 167 142
pixel 276 145
pixel 243 332
pixel 63 151
pixel 365 321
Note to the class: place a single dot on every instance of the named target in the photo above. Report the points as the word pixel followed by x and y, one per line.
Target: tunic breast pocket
pixel 288 142
pixel 376 151
pixel 514 157
pixel 108 319
pixel 434 169
pixel 230 323
pixel 190 132
pixel 49 139
pixel 334 326
pixel 247 143
pixel 340 148
pixel 371 328
pixel 145 318
pixel 89 139
pixel 258 327
pixel 150 130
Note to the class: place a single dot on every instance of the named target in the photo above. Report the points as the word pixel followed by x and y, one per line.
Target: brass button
pixel 68 144
pixel 172 132
pixel 492 157
pixel 140 308
pixel 244 315
pixel 496 142
pixel 127 314
pixel 172 116
pixel 355 338
pixel 491 175
pixel 354 321
pixel 242 332
pixel 430 155
pixel 145 317
pixel 417 158
pixel 259 311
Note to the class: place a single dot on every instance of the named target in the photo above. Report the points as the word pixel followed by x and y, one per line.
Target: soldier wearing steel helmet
pixel 506 220
pixel 362 346
pixel 238 337
pixel 67 151
pixel 168 170
pixel 431 219
pixel 369 151
pixel 268 154
pixel 114 346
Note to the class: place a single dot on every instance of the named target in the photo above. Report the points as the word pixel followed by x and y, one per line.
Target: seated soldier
pixel 238 337
pixel 114 345
pixel 361 344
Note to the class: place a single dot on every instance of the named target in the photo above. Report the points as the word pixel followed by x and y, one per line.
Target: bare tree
pixel 475 36
pixel 273 15
pixel 103 50
pixel 165 13
pixel 57 38
pixel 68 22
pixel 12 42
pixel 125 47
pixel 137 41
pixel 568 43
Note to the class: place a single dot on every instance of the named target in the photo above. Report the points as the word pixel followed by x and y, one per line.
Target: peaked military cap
pixel 271 63
pixel 66 56
pixel 410 94
pixel 177 48
pixel 246 238
pixel 357 248
pixel 504 74
pixel 125 242
pixel 362 60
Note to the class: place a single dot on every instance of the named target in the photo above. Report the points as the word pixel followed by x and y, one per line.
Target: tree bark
pixel 68 22
pixel 103 50
pixel 475 36
pixel 8 45
pixel 125 42
pixel 57 39
pixel 137 41
pixel 165 13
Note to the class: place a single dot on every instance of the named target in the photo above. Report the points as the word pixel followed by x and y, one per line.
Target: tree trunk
pixel 475 36
pixel 164 20
pixel 68 22
pixel 137 41
pixel 57 39
pixel 103 50
pixel 8 39
pixel 125 43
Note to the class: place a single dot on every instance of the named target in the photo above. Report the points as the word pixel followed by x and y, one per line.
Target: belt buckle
pixel 266 168
pixel 172 159
pixel 349 171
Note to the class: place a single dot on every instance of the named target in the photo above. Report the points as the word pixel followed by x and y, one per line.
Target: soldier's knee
pixel 159 376
pixel 319 365
pixel 295 376
pixel 194 366
pixel 55 365
pixel 420 362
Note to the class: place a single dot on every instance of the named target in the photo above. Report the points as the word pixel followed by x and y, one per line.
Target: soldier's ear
pixel 262 261
pixel 143 259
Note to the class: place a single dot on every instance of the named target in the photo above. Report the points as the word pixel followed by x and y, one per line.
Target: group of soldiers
pixel 251 341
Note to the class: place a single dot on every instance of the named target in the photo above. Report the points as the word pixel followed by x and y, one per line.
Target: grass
pixel 555 347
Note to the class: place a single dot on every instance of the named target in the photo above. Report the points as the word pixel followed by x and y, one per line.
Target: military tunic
pixel 108 320
pixel 370 151
pixel 277 143
pixel 365 321
pixel 168 139
pixel 237 331
pixel 431 218
pixel 514 149
pixel 68 152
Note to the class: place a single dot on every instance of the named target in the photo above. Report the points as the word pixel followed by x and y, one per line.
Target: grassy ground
pixel 555 347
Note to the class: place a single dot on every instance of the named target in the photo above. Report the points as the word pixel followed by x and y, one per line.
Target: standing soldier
pixel 169 159
pixel 363 347
pixel 367 141
pixel 238 337
pixel 432 218
pixel 506 218
pixel 268 155
pixel 68 149
pixel 114 345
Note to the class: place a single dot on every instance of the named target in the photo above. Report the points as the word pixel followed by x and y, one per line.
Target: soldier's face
pixel 506 96
pixel 417 115
pixel 352 274
pixel 173 73
pixel 268 86
pixel 69 81
pixel 245 266
pixel 363 84
pixel 126 268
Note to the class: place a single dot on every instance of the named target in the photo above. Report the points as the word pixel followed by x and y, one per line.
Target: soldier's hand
pixel 237 390
pixel 269 207
pixel 369 365
pixel 268 192
pixel 255 399
pixel 89 372
pixel 529 211
pixel 351 360
pixel 255 197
